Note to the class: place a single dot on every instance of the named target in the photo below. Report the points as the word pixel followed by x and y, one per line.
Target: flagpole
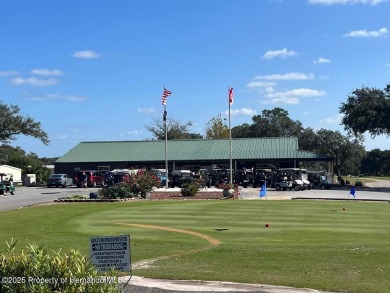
pixel 164 96
pixel 166 147
pixel 230 143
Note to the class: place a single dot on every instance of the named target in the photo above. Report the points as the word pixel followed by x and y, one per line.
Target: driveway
pixel 27 196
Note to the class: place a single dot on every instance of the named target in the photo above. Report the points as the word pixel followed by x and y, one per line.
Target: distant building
pixel 14 171
pixel 50 167
pixel 281 152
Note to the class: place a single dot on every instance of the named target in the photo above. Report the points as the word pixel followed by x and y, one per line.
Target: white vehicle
pixel 296 178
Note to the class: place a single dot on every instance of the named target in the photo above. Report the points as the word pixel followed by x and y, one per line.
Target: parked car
pixel 161 175
pixel 93 178
pixel 58 180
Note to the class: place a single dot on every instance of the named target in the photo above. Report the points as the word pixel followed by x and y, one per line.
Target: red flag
pixel 165 94
pixel 230 95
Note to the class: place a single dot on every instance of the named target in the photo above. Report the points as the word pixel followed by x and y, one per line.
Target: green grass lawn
pixel 312 244
pixel 366 180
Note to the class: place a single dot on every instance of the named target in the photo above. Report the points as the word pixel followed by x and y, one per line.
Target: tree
pixel 376 163
pixel 13 124
pixel 271 123
pixel 347 153
pixel 216 128
pixel 241 131
pixel 367 109
pixel 175 130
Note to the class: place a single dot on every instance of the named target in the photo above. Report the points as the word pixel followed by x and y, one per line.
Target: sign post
pixel 111 252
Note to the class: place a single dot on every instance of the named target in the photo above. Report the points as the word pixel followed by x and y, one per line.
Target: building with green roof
pixel 192 154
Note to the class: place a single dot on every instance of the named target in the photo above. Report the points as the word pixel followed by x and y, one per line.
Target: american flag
pixel 165 95
pixel 230 95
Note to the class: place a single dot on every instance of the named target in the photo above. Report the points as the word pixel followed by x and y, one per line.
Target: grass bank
pixel 312 244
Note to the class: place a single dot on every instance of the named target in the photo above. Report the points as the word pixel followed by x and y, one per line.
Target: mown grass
pixel 367 179
pixel 312 244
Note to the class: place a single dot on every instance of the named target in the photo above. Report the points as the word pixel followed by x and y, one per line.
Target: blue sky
pixel 95 70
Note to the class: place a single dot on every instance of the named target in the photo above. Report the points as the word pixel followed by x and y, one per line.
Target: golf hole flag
pixel 352 192
pixel 263 190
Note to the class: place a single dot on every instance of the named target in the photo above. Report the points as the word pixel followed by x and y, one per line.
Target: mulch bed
pixel 167 195
pixel 157 195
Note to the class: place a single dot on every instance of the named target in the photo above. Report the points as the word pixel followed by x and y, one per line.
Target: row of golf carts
pixel 280 179
pixel 300 179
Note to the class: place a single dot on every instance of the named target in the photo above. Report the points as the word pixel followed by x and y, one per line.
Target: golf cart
pixel 292 178
pixel 6 184
pixel 319 179
pixel 180 177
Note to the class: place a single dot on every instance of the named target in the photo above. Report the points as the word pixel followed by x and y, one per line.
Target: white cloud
pixel 49 97
pixel 323 77
pixel 8 73
pixel 260 84
pixel 62 136
pixel 242 111
pixel 283 100
pixel 383 32
pixel 335 120
pixel 46 72
pixel 33 81
pixel 87 54
pixel 321 60
pixel 284 53
pixel 135 132
pixel 146 110
pixel 287 76
pixel 331 2
pixel 291 97
pixel 302 92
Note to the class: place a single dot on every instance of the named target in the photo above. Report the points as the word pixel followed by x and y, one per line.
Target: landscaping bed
pixel 165 195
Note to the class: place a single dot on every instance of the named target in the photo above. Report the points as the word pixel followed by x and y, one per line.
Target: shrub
pixel 189 189
pixel 358 183
pixel 143 182
pixel 119 190
pixel 35 270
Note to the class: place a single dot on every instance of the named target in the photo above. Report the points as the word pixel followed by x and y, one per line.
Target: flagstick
pixel 346 202
pixel 266 212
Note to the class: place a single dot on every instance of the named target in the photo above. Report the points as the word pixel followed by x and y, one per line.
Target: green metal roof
pixel 186 150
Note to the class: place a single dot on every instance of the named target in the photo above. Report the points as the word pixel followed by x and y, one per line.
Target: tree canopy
pixel 216 128
pixel 13 124
pixel 175 130
pixel 271 123
pixel 367 110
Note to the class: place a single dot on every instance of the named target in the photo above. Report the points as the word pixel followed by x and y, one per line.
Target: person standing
pixel 84 181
